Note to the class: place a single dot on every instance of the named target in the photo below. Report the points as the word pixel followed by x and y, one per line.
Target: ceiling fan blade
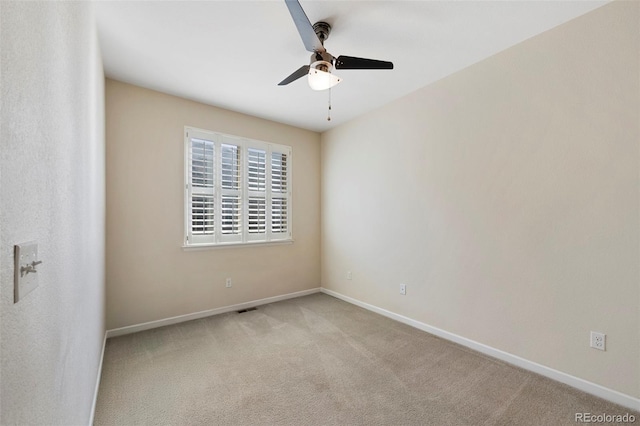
pixel 300 72
pixel 353 63
pixel 311 41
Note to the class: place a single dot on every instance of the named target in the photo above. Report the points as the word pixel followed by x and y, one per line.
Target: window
pixel 237 190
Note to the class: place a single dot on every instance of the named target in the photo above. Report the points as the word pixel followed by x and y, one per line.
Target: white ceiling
pixel 232 54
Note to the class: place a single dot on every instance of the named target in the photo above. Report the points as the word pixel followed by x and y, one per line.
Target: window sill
pixel 235 245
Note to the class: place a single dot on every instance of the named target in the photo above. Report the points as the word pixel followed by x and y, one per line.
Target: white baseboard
pixel 202 314
pixel 576 382
pixel 98 377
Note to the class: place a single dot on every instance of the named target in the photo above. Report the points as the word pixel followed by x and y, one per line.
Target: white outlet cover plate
pixel 598 340
pixel 24 254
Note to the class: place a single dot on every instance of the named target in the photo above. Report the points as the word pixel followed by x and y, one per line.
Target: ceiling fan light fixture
pixel 322 80
pixel 323 62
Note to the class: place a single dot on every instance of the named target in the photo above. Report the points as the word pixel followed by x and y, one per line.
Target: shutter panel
pixel 257 215
pixel 256 169
pixel 279 195
pixel 279 215
pixel 257 194
pixel 201 186
pixel 231 193
pixel 230 215
pixel 202 154
pixel 202 215
pixel 230 167
pixel 279 170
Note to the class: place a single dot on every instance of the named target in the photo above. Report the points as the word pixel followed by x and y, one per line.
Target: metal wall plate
pixel 25 269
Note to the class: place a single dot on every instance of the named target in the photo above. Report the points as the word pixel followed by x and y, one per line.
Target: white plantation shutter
pixel 257 169
pixel 231 192
pixel 279 215
pixel 237 190
pixel 203 215
pixel 201 189
pixel 280 194
pixel 256 194
pixel 257 215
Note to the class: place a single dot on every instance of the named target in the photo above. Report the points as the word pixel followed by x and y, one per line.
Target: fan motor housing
pixel 322 30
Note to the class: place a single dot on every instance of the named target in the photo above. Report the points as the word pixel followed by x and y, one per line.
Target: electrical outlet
pixel 403 289
pixel 348 275
pixel 598 340
pixel 227 283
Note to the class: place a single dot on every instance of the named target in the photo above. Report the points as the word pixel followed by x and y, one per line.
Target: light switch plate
pixel 24 283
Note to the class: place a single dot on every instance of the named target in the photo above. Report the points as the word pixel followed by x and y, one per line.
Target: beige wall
pixel 506 197
pixel 149 275
pixel 52 192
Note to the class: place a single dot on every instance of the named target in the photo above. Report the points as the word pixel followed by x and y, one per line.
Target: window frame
pixel 218 239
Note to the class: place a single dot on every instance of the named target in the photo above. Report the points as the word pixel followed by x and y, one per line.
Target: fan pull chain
pixel 329 111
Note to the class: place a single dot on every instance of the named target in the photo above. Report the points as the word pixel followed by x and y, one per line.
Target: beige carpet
pixel 317 360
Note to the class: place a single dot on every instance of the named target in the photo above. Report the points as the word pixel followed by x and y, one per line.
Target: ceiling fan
pixel 322 62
